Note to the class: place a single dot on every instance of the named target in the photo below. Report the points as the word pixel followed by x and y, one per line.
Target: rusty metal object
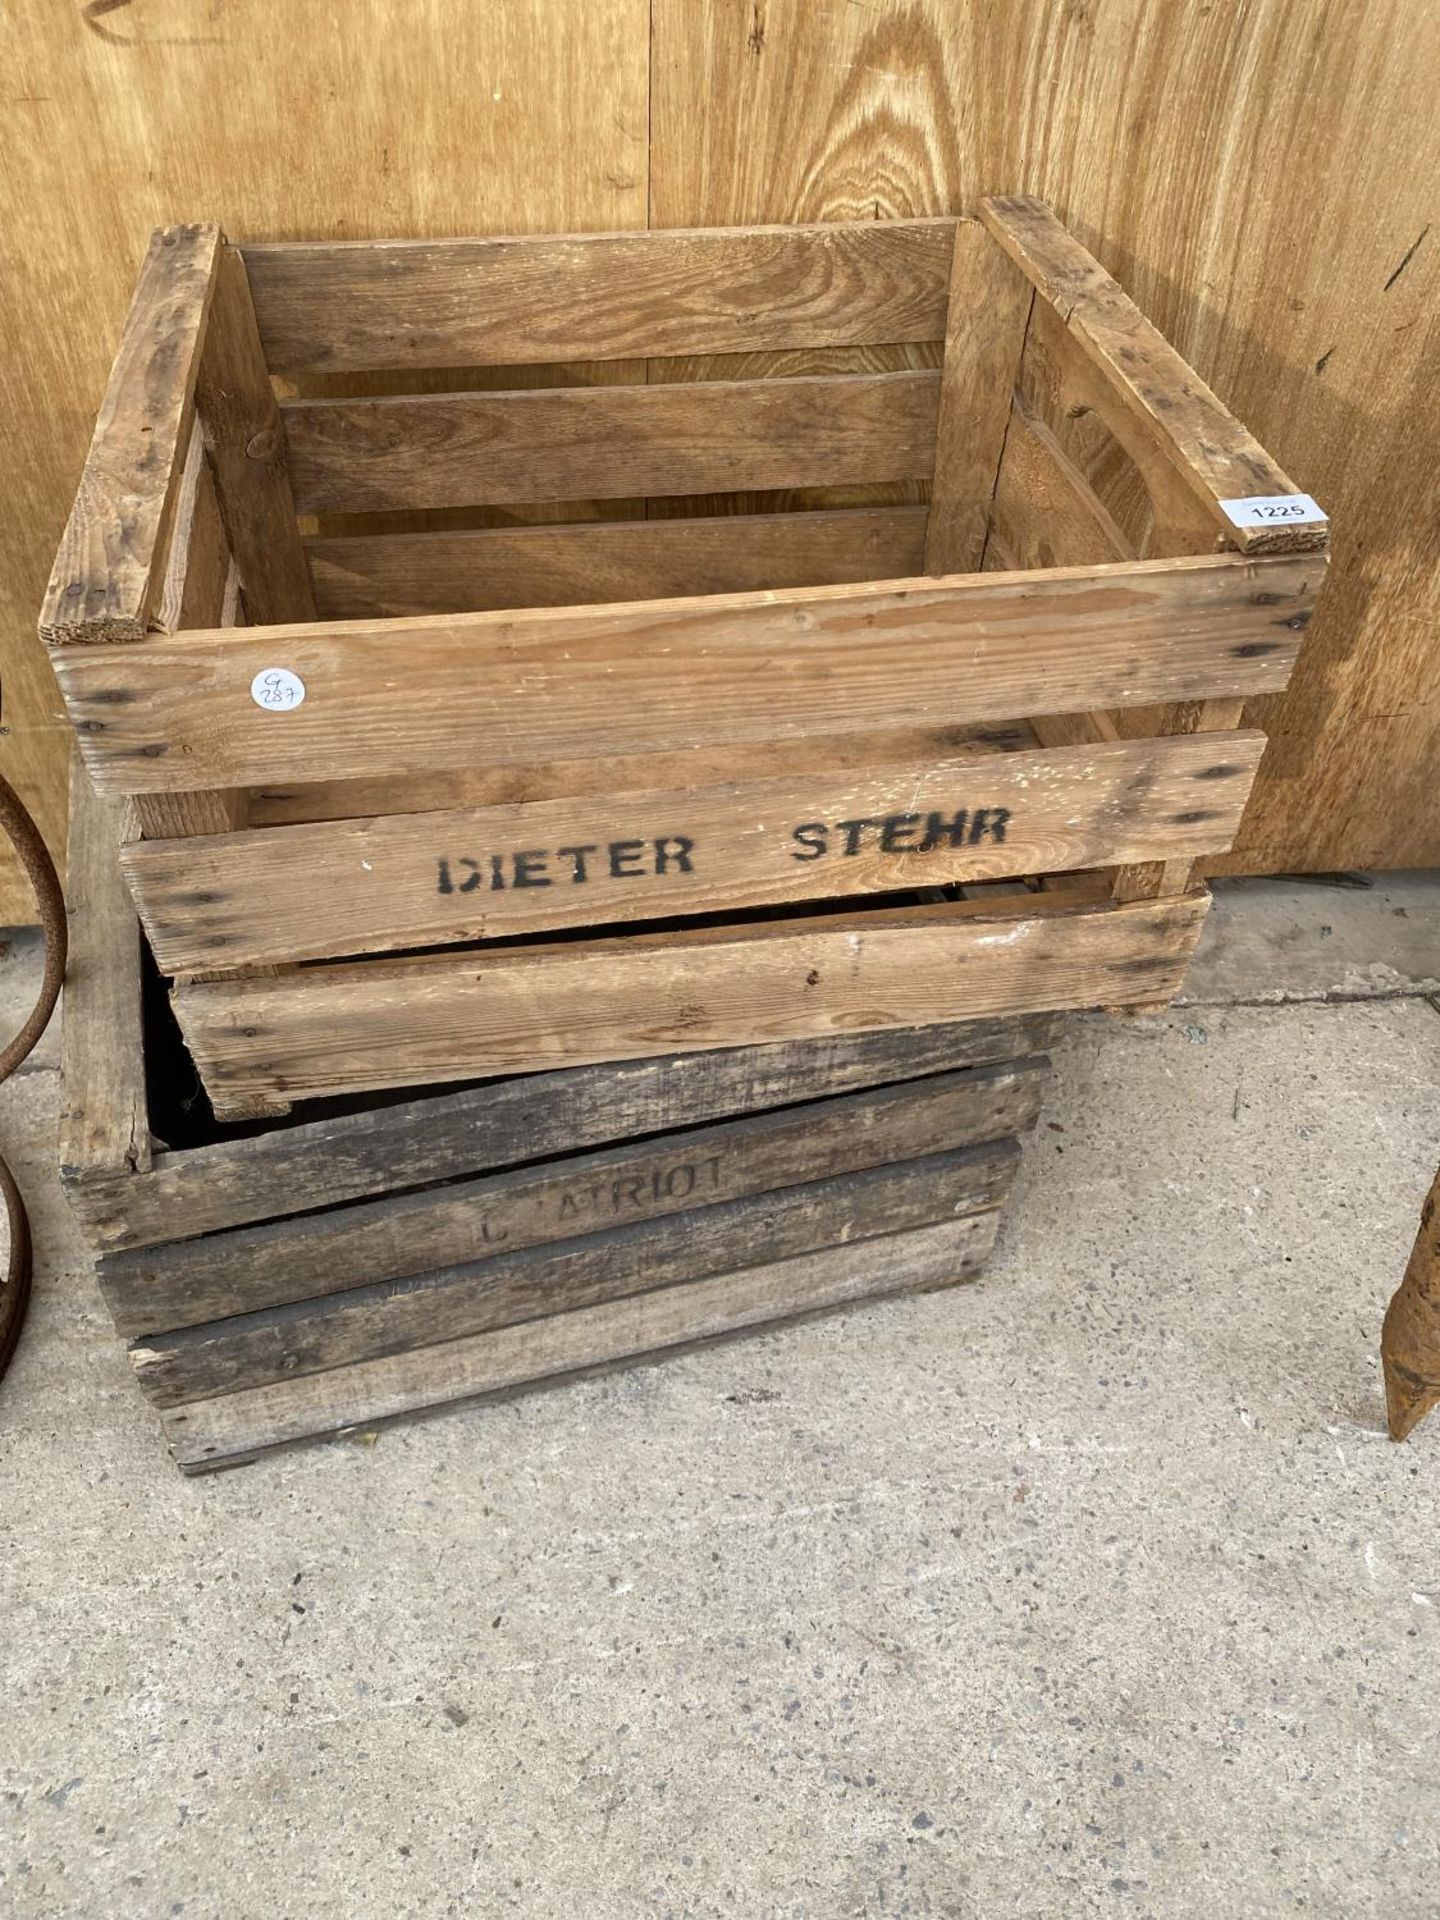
pixel 35 857
pixel 1410 1341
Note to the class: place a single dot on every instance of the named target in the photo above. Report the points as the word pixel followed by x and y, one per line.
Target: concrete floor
pixel 1094 1587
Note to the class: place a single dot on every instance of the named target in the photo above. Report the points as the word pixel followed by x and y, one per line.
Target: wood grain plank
pixel 110 569
pixel 1111 446
pixel 398 696
pixel 1045 511
pixel 606 774
pixel 369 577
pixel 246 443
pixel 368 1322
pixel 197 561
pixel 222 1431
pixel 197 592
pixel 1046 514
pixel 187 1283
pixel 564 443
pixel 1185 422
pixel 521 1010
pixel 985 326
pixel 449 1134
pixel 104 1118
pixel 598 296
pixel 414 880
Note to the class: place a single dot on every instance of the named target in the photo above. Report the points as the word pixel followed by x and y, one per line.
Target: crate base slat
pixel 322 1030
pixel 235 1428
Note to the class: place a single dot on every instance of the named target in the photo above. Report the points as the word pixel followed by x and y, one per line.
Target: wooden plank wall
pixel 1261 178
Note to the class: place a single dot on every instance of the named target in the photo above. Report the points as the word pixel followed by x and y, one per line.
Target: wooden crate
pixel 433 765
pixel 369 1258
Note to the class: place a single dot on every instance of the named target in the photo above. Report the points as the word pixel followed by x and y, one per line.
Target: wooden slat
pixel 1045 514
pixel 599 296
pixel 368 1322
pixel 559 683
pixel 233 1427
pixel 1111 446
pixel 373 577
pixel 448 1135
pixel 187 1283
pixel 104 1123
pixel 414 880
pixel 984 337
pixel 195 593
pixel 1147 880
pixel 564 443
pixel 197 562
pixel 110 568
pixel 246 443
pixel 606 774
pixel 1185 422
pixel 322 1030
pixel 1045 511
pixel 198 591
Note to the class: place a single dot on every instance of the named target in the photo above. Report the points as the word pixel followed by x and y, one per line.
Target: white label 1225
pixel 1274 510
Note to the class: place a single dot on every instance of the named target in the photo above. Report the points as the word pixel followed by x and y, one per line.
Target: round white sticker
pixel 277 689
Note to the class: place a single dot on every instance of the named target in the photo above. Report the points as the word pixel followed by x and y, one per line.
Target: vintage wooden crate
pixel 486 785
pixel 363 1260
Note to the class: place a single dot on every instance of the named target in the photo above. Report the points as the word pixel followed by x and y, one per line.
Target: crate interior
pixel 182 1116
pixel 431 488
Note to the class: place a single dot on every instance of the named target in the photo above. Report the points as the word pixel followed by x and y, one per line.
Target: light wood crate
pixel 506 697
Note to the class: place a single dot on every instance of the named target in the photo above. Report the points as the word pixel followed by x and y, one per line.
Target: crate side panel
pixel 389 1023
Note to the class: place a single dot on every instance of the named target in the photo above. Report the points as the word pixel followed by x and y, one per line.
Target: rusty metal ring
pixel 34 855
